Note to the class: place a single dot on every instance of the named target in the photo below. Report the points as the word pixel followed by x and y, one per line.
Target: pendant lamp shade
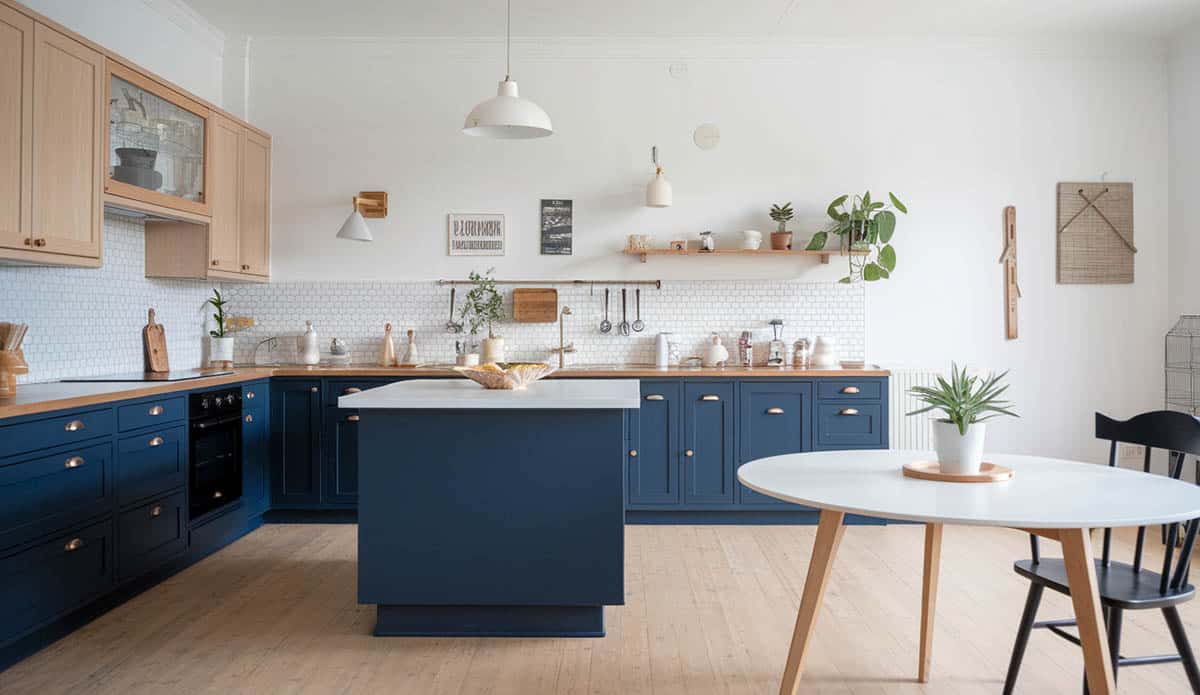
pixel 658 191
pixel 355 228
pixel 507 116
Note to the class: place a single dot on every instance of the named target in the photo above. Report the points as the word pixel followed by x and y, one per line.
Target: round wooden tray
pixel 932 470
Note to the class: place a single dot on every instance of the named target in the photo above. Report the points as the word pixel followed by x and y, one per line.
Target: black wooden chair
pixel 1126 587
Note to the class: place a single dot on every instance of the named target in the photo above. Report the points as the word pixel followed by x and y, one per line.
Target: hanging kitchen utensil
pixel 605 325
pixel 453 326
pixel 154 346
pixel 638 326
pixel 623 328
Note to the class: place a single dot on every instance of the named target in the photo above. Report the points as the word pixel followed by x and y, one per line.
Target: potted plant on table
pixel 967 403
pixel 485 307
pixel 781 238
pixel 867 226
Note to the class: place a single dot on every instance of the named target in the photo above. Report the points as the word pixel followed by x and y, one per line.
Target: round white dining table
pixel 1051 498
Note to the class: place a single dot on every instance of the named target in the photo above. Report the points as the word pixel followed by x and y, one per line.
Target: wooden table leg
pixel 829 535
pixel 933 558
pixel 1081 578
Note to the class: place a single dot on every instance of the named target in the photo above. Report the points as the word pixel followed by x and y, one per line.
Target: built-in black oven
pixel 215 461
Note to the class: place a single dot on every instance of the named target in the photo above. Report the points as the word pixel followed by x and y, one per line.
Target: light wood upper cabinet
pixel 226 194
pixel 255 229
pixel 16 128
pixel 68 146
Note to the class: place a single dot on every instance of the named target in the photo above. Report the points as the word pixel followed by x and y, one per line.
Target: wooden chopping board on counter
pixel 154 346
pixel 535 305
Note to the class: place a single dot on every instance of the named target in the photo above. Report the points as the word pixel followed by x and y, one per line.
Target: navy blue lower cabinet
pixel 151 534
pixel 653 465
pixel 256 457
pixel 43 492
pixel 295 442
pixel 851 425
pixel 775 419
pixel 708 434
pixel 340 464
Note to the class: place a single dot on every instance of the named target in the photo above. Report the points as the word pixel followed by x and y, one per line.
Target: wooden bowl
pixel 508 376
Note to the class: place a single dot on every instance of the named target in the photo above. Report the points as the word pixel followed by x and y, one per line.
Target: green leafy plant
pixel 965 400
pixel 484 305
pixel 863 224
pixel 781 216
pixel 218 303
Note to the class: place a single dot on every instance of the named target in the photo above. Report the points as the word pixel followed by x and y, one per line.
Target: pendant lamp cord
pixel 507 39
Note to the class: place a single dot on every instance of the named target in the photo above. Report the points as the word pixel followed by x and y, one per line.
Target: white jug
pixel 306 345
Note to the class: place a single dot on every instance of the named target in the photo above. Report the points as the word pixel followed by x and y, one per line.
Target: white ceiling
pixel 689 18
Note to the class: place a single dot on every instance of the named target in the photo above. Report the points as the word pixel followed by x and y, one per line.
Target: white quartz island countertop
pixel 463 394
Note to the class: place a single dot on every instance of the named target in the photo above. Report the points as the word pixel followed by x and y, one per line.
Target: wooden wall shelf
pixel 824 255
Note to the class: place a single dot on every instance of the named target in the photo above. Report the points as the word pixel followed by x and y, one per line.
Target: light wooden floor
pixel 709 610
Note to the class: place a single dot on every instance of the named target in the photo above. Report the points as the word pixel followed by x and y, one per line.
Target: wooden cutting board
pixel 154 345
pixel 535 305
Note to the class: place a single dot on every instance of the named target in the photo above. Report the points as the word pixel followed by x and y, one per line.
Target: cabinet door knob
pixel 155 411
pixel 249 418
pixel 74 426
pixel 351 389
pixel 28 241
pixel 156 510
pixel 850 389
pixel 848 411
pixel 689 453
pixel 156 441
pixel 74 462
pixel 245 267
pixel 654 397
pixel 352 418
pixel 218 495
pixel 216 262
pixel 73 545
pixel 710 397
pixel 315 389
pixel 774 411
pixel 39 242
pixel 249 395
pixel 633 453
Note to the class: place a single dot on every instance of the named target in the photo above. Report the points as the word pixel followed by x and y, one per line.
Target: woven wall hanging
pixel 1095 233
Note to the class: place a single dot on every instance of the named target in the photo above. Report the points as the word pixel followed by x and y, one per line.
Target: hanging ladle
pixel 605 325
pixel 637 302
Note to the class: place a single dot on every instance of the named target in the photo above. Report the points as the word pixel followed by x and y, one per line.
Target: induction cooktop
pixel 177 375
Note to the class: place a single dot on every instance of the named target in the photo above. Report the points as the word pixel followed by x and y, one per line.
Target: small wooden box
pixel 535 305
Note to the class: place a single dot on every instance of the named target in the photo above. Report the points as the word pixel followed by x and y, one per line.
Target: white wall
pixel 1184 119
pixel 958 130
pixel 163 36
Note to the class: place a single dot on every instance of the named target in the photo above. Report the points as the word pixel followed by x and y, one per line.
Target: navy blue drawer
pixel 849 425
pixel 150 535
pixel 145 414
pixel 151 463
pixel 54 577
pixel 336 388
pixel 55 431
pixel 47 493
pixel 849 389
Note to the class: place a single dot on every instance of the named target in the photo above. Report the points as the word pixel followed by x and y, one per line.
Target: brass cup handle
pixel 689 453
pixel 655 397
pixel 351 389
pixel 155 411
pixel 850 389
pixel 74 426
pixel 249 418
pixel 774 411
pixel 352 418
pixel 73 545
pixel 156 510
pixel 710 397
pixel 848 411
pixel 633 453
pixel 74 462
pixel 156 441
pixel 218 495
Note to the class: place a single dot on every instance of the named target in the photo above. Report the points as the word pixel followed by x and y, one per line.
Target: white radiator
pixel 909 432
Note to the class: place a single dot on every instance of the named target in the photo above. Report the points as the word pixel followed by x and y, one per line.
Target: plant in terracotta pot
pixel 866 226
pixel 781 238
pixel 220 347
pixel 967 402
pixel 484 306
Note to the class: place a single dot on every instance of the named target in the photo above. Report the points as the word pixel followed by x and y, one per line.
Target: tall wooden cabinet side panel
pixel 255 228
pixel 68 148
pixel 225 196
pixel 16 128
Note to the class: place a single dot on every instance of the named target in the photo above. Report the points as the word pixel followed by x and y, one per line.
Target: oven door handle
pixel 217 423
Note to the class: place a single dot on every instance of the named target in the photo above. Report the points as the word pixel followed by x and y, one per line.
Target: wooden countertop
pixel 46 397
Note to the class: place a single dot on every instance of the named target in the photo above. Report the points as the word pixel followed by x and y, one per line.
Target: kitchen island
pixel 492 512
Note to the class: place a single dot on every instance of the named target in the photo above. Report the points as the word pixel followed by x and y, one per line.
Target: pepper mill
pixel 387 353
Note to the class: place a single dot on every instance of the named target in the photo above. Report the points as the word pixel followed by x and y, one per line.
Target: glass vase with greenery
pixel 484 305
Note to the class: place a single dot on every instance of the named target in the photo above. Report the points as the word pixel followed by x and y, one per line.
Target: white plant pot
pixel 959 454
pixel 493 350
pixel 220 349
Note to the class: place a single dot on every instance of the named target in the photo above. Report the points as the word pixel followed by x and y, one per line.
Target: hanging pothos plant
pixel 866 225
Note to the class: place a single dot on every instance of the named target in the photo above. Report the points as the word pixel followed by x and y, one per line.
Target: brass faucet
pixel 563 348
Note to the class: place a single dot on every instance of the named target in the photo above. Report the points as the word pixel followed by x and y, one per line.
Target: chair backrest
pixel 1179 435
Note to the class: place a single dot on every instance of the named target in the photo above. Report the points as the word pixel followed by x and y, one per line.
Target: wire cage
pixel 1183 365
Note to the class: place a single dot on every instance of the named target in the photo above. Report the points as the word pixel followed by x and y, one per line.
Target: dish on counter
pixel 508 376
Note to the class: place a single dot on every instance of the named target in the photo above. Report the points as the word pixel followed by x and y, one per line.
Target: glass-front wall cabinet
pixel 157 143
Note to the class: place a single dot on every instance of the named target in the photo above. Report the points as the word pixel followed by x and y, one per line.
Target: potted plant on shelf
pixel 781 238
pixel 967 403
pixel 485 307
pixel 866 226
pixel 220 345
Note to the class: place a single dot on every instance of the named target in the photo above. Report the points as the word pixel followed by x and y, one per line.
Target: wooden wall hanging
pixel 1095 233
pixel 1008 258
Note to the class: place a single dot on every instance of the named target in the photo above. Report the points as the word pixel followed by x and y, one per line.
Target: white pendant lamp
pixel 658 191
pixel 507 116
pixel 373 204
pixel 355 228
